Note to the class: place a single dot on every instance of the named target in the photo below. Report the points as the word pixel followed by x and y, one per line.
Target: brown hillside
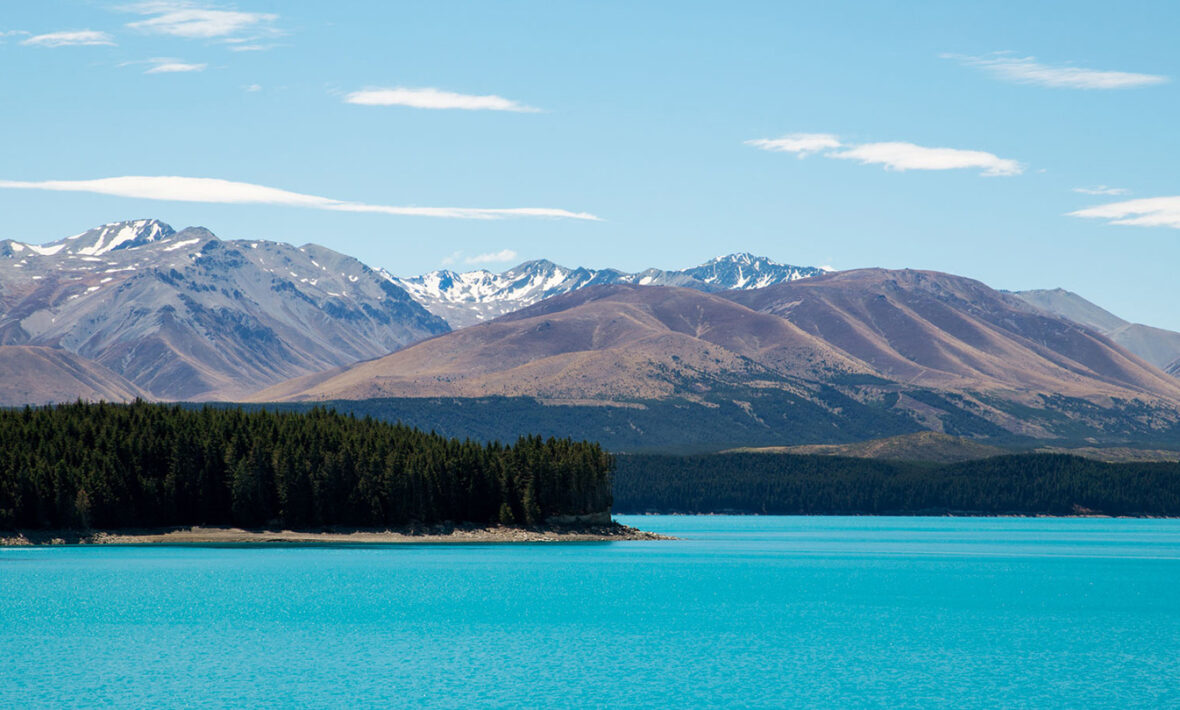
pixel 40 375
pixel 931 329
pixel 948 353
pixel 601 342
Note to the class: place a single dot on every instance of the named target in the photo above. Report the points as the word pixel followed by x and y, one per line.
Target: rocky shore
pixel 442 533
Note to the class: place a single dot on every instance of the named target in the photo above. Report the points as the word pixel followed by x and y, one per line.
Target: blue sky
pixel 647 116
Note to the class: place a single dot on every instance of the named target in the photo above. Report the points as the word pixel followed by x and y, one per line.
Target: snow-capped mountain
pixel 185 315
pixel 466 298
pixel 745 271
pixel 97 241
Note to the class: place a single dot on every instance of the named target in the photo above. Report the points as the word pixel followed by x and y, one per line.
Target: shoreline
pixel 430 534
pixel 912 514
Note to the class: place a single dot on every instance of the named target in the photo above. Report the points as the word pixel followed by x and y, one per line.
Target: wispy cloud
pixel 894 155
pixel 70 38
pixel 193 20
pixel 494 257
pixel 1101 190
pixel 4 34
pixel 175 67
pixel 452 258
pixel 1027 70
pixel 164 65
pixel 252 88
pixel 214 190
pixel 907 156
pixel 799 143
pixel 435 99
pixel 1148 212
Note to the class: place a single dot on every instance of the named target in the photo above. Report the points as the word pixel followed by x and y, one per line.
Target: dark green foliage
pixel 149 465
pixel 789 484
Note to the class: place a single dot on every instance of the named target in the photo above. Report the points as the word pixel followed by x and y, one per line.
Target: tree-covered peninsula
pixel 141 465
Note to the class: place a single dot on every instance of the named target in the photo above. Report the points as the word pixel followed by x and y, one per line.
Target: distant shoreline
pixel 433 534
pixel 906 514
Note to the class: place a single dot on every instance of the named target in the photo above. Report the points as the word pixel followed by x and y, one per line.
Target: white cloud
pixel 1148 212
pixel 435 99
pixel 894 155
pixel 166 65
pixel 192 20
pixel 163 65
pixel 448 260
pixel 1101 190
pixel 71 38
pixel 800 143
pixel 1027 70
pixel 214 190
pixel 494 257
pixel 251 88
pixel 907 156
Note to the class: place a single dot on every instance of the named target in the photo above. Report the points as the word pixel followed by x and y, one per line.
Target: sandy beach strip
pixel 421 534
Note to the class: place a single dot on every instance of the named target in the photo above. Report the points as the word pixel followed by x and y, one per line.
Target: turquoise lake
pixel 742 612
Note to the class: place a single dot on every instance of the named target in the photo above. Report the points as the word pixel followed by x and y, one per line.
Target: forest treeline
pixel 111 466
pixel 1050 484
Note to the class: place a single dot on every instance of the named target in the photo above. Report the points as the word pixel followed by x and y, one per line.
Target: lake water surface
pixel 743 612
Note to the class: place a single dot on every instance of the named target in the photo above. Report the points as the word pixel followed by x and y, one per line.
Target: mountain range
pixel 467 298
pixel 188 316
pixel 740 350
pixel 942 352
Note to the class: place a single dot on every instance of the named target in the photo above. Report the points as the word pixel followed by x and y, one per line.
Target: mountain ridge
pixel 612 340
pixel 1158 346
pixel 467 298
pixel 941 330
pixel 941 352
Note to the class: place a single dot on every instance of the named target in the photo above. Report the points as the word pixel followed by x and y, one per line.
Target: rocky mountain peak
pixel 113 236
pixel 741 257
